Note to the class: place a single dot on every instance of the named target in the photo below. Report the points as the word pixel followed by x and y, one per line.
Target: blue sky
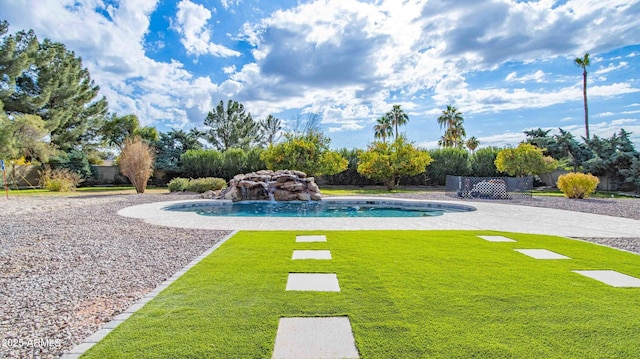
pixel 506 65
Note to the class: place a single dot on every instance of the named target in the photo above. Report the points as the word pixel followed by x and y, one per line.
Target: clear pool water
pixel 324 208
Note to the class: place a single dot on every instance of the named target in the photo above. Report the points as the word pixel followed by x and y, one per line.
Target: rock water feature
pixel 283 185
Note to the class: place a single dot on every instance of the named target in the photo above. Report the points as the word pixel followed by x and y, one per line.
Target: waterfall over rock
pixel 282 185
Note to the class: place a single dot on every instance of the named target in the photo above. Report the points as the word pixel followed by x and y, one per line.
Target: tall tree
pixel 611 157
pixel 24 136
pixel 47 80
pixel 574 152
pixel 541 139
pixel 270 128
pixel 16 55
pixel 583 62
pixel 398 117
pixel 452 121
pixel 171 145
pixel 118 128
pixel 383 128
pixel 472 143
pixel 231 127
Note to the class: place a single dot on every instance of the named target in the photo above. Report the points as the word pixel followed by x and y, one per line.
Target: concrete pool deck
pixel 487 216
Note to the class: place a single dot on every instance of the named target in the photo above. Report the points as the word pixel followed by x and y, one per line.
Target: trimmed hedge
pixel 199 185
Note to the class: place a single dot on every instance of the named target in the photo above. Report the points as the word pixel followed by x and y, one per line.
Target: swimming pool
pixel 325 208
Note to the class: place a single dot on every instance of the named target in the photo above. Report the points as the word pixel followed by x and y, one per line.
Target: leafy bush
pixel 308 153
pixel 201 185
pixel 483 162
pixel 60 180
pixel 201 163
pixel 525 160
pixel 388 162
pixel 448 161
pixel 178 184
pixel 75 161
pixel 254 162
pixel 234 161
pixel 350 176
pixel 577 185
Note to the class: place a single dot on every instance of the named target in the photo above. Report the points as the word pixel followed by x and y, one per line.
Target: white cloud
pixel 346 60
pixel 229 69
pixel 191 22
pixel 496 100
pixel 612 67
pixel 112 48
pixel 427 47
pixel 228 3
pixel 537 76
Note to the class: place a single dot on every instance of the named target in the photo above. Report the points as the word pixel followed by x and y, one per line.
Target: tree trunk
pixel 586 108
pixel 390 183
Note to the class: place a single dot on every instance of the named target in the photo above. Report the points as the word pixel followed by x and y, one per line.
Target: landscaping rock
pixel 211 194
pixel 265 185
pixel 81 265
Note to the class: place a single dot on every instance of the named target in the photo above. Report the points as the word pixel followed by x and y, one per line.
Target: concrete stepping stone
pixel 541 254
pixel 612 278
pixel 320 238
pixel 314 282
pixel 315 337
pixel 497 239
pixel 311 254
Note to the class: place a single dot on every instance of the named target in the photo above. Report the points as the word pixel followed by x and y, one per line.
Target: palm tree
pixel 584 62
pixel 383 128
pixel 472 143
pixel 398 117
pixel 452 121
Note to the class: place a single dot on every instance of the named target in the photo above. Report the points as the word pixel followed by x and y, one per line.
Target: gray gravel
pixel 69 264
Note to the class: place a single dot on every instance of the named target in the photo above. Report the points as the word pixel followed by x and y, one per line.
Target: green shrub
pixel 483 162
pixel 254 162
pixel 524 160
pixel 234 161
pixel 75 161
pixel 577 185
pixel 388 162
pixel 202 185
pixel 60 180
pixel 309 153
pixel 448 161
pixel 178 184
pixel 201 163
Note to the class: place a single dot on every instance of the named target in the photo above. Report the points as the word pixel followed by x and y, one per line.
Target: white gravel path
pixel 69 264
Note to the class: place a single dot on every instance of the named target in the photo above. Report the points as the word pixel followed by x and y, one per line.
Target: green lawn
pixel 369 190
pixel 408 294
